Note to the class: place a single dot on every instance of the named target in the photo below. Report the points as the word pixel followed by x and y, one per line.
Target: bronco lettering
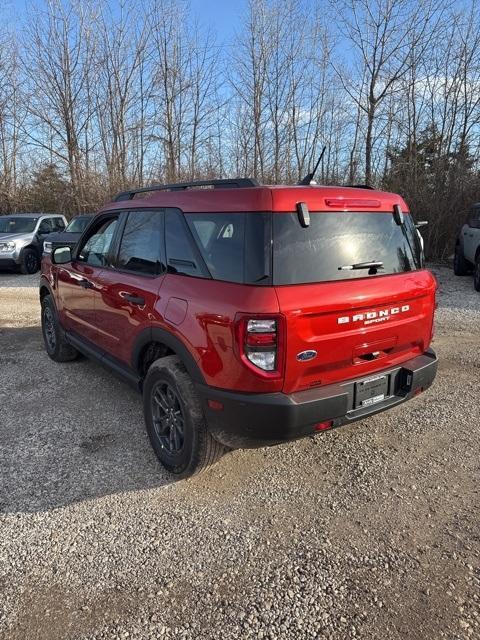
pixel 374 316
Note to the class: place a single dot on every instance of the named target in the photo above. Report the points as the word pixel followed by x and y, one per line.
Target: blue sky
pixel 221 15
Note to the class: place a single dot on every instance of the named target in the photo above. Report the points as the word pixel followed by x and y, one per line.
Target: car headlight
pixel 47 247
pixel 7 246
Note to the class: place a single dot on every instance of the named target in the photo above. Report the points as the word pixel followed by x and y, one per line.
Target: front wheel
pixel 174 420
pixel 29 262
pixel 53 337
pixel 476 273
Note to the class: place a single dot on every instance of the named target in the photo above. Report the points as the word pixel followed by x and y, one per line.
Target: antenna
pixel 309 177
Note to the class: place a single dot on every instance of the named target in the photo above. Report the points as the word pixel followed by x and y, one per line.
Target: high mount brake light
pixel 259 343
pixel 344 203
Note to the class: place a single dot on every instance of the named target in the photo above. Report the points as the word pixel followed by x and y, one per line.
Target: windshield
pixel 10 224
pixel 77 225
pixel 334 243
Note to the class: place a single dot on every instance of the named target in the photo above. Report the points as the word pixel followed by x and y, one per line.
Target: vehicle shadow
pixel 68 432
pixel 14 280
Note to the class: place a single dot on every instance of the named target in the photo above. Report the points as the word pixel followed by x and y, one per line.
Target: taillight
pixel 259 342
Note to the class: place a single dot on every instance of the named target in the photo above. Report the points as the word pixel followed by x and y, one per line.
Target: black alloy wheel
pixel 30 263
pixel 175 420
pixel 49 331
pixel 168 419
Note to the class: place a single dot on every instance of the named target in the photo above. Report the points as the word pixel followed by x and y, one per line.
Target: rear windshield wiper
pixel 373 265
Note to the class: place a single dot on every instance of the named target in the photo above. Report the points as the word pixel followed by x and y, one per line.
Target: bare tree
pixel 58 53
pixel 382 32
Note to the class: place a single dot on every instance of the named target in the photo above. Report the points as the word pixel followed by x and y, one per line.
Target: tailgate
pixel 346 329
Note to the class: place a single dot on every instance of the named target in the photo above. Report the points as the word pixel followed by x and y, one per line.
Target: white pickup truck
pixel 467 247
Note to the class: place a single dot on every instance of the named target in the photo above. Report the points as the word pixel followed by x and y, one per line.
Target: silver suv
pixel 22 236
pixel 467 247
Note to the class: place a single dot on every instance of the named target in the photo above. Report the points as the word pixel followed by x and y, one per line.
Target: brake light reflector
pixel 323 426
pixel 215 405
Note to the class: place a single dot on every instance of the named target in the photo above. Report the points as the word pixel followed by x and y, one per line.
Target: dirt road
pixel 371 531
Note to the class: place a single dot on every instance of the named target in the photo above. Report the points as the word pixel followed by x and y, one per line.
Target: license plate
pixel 370 391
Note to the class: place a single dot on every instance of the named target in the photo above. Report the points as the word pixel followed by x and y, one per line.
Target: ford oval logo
pixel 303 356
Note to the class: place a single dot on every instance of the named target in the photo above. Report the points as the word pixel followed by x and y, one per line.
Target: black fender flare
pixel 156 334
pixel 32 246
pixel 44 284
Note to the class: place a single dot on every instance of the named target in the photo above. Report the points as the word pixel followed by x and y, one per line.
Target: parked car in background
pixel 467 247
pixel 22 236
pixel 247 315
pixel 70 236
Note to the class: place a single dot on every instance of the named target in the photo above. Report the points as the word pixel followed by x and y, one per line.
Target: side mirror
pixel 421 223
pixel 62 255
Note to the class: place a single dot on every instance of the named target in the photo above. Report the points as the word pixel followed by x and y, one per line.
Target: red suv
pixel 247 315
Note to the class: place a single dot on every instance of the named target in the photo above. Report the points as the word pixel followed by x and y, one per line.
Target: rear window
pixel 236 247
pixel 334 240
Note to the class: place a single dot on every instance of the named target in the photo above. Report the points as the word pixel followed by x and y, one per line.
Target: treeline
pixel 99 96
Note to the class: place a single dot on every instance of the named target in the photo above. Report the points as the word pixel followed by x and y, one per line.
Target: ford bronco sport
pixel 247 315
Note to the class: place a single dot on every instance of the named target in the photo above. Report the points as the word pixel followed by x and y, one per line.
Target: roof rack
pixel 230 183
pixel 360 186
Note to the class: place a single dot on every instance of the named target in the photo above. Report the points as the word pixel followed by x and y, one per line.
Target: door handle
pixel 86 284
pixel 133 299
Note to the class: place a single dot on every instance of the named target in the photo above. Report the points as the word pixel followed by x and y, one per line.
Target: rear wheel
pixel 476 273
pixel 29 262
pixel 53 336
pixel 174 420
pixel 461 266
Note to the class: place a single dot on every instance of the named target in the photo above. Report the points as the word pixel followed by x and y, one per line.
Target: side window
pixel 57 224
pixel 45 226
pixel 97 245
pixel 182 257
pixel 474 218
pixel 141 247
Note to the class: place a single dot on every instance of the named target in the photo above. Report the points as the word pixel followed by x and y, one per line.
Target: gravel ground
pixel 370 531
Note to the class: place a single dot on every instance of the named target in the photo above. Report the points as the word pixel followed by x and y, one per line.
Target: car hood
pixel 12 237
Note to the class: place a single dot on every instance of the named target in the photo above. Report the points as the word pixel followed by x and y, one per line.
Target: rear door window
pixel 57 224
pixel 141 246
pixel 183 257
pixel 236 247
pixel 334 240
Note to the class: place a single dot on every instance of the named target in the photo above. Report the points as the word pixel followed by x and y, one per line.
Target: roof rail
pixel 360 186
pixel 229 183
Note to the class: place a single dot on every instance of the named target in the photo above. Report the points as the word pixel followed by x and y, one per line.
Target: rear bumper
pixel 255 420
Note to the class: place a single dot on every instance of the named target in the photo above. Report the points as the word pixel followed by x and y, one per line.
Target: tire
pixel 175 422
pixel 461 266
pixel 29 262
pixel 476 273
pixel 53 335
